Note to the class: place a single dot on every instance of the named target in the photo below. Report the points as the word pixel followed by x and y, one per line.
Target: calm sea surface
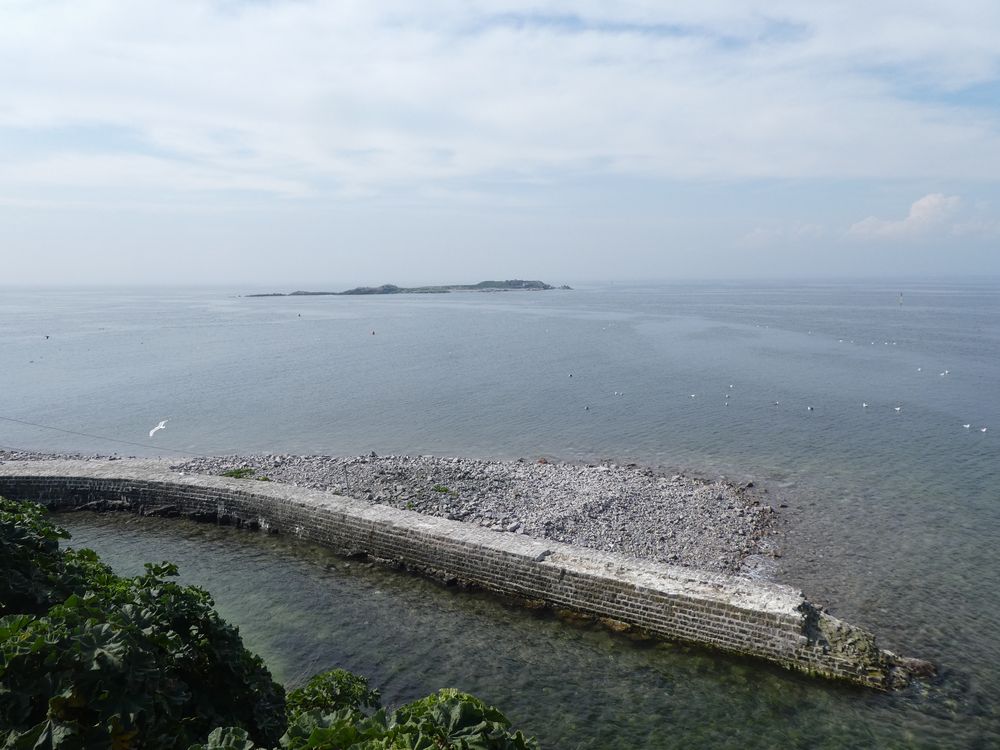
pixel 893 517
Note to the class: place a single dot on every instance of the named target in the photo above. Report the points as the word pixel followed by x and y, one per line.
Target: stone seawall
pixel 736 615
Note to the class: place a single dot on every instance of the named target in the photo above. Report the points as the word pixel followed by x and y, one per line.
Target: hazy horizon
pixel 229 141
pixel 901 281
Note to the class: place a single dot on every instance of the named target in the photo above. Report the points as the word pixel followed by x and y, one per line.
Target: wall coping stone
pixel 739 615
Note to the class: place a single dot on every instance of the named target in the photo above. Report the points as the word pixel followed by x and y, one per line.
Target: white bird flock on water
pixel 864 404
pixel 161 426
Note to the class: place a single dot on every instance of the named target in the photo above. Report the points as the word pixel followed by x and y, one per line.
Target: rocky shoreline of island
pixel 483 286
pixel 625 509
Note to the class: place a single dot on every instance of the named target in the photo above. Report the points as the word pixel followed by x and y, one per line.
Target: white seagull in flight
pixel 161 426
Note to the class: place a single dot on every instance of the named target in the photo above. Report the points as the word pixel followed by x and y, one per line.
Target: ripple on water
pixel 573 686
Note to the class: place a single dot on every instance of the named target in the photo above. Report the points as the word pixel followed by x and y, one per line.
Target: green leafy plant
pixel 451 719
pixel 91 659
pixel 332 691
pixel 447 719
pixel 95 660
pixel 31 563
pixel 440 488
pixel 244 472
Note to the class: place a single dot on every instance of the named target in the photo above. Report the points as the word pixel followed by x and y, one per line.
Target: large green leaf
pixel 121 662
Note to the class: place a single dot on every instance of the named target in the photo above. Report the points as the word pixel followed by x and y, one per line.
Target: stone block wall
pixel 759 619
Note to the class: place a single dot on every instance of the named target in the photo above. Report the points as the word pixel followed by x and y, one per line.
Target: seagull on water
pixel 966 426
pixel 982 429
pixel 864 404
pixel 898 408
pixel 161 426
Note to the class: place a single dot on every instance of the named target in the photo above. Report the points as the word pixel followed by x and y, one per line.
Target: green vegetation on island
pixel 482 286
pixel 91 659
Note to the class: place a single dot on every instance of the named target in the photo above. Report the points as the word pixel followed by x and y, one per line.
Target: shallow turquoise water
pixel 572 686
pixel 893 517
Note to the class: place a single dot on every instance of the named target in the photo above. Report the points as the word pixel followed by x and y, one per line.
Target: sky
pixel 309 142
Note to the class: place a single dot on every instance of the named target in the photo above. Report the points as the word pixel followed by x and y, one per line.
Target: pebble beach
pixel 627 509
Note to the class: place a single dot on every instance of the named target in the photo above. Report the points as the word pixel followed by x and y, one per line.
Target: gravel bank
pixel 625 509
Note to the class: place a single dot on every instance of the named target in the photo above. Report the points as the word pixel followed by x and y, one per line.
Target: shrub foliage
pixel 91 659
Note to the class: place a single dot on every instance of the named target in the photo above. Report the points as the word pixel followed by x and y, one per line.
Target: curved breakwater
pixel 759 619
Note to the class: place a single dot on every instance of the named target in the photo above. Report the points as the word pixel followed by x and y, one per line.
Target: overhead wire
pixel 100 437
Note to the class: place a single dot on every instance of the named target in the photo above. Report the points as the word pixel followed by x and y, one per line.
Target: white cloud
pixel 978 227
pixel 141 172
pixel 363 97
pixel 930 214
pixel 796 233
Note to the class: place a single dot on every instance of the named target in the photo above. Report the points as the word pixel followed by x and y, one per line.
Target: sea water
pixel 892 516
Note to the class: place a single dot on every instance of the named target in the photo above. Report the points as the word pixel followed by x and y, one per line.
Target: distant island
pixel 482 286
